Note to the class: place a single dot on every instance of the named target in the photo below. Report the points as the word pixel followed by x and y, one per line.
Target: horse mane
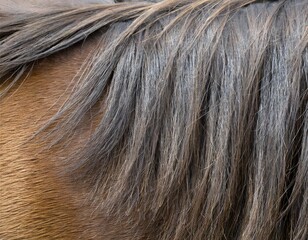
pixel 204 131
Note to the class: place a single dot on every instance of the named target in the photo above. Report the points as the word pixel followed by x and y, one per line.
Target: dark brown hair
pixel 204 132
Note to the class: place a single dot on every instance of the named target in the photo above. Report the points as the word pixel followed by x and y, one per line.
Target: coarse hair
pixel 204 131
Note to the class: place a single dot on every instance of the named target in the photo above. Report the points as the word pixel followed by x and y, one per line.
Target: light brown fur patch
pixel 36 202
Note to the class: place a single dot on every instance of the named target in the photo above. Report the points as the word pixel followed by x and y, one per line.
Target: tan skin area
pixel 36 202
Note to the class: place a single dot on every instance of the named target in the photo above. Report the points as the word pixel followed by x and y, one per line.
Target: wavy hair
pixel 204 131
